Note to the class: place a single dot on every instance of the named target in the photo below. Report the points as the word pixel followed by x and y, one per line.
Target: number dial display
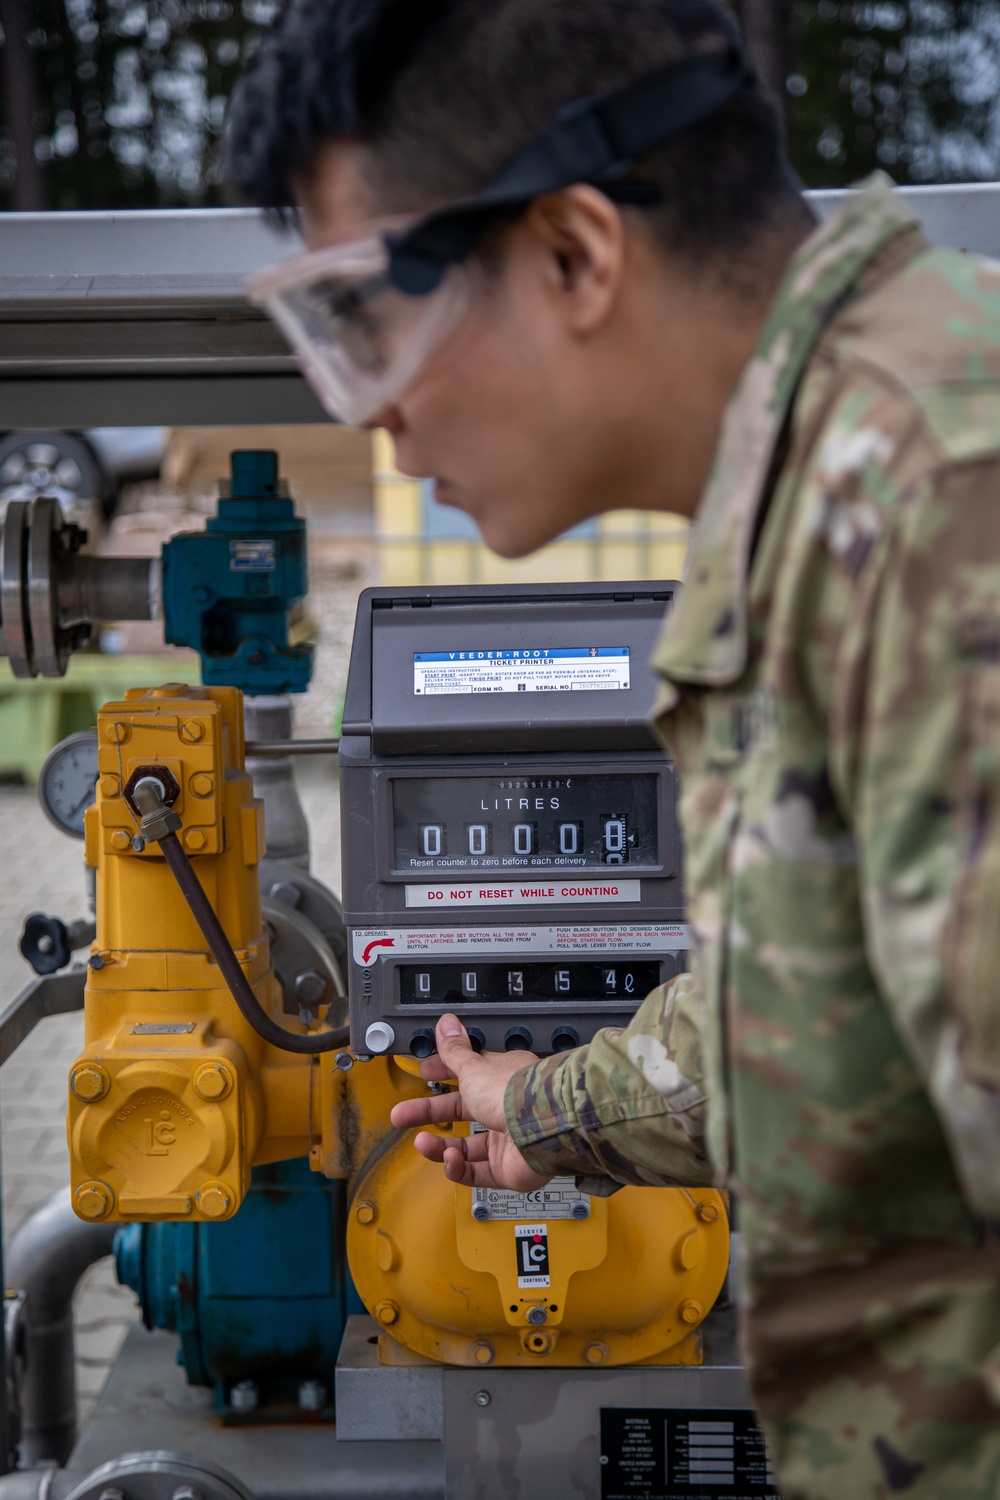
pixel 456 985
pixel 477 824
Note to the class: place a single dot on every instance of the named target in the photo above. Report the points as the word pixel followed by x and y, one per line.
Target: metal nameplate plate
pixel 165 1028
pixel 559 1199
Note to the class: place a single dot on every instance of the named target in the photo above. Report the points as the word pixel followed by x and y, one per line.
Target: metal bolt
pixel 92 1200
pixel 483 1353
pixel 708 1213
pixel 213 1081
pixel 344 1061
pixel 213 1201
pixel 537 1315
pixel 596 1354
pixel 45 943
pixel 110 786
pixel 138 843
pixel 366 1213
pixel 194 839
pixel 96 960
pixel 244 1396
pixel 580 1210
pixel 312 1395
pixel 285 892
pixel 692 1312
pixel 483 1398
pixel 120 839
pixel 310 987
pixel 202 784
pixel 117 733
pixel 186 1492
pixel 112 1492
pixel 387 1312
pixel 481 1212
pixel 192 732
pixel 89 1083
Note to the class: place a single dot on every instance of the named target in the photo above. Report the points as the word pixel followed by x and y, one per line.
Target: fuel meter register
pixel 509 832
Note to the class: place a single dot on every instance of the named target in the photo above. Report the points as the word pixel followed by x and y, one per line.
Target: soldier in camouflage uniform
pixel 831 695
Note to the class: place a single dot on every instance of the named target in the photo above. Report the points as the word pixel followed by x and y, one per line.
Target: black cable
pixel 250 1008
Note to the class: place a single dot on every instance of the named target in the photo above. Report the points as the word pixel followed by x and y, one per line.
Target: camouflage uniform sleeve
pixel 916 739
pixel 627 1109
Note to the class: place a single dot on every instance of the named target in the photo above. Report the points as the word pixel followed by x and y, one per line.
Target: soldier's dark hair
pixel 444 91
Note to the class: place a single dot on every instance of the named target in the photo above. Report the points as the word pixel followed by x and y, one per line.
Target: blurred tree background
pixel 121 103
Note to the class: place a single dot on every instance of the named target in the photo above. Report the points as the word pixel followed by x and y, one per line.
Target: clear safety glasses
pixel 359 339
pixel 365 318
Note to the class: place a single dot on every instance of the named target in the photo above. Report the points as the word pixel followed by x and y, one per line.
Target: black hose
pixel 219 945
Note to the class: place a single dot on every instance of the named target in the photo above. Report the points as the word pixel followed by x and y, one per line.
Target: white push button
pixel 379 1037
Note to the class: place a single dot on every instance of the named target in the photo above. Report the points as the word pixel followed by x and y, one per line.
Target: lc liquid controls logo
pixel 531 1242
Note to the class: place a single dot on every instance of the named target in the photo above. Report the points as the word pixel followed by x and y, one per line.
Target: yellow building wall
pixel 625 544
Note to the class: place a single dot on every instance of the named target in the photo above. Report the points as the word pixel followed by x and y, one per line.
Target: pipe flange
pixel 15 631
pixel 50 646
pixel 159 1476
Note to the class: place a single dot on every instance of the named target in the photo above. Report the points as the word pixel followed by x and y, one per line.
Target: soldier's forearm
pixel 629 1107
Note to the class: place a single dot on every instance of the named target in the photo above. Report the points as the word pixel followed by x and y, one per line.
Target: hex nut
pixel 244 1396
pixel 93 1200
pixel 110 786
pixel 202 784
pixel 213 1081
pixel 194 839
pixel 691 1312
pixel 117 733
pixel 387 1312
pixel 214 1200
pixel 366 1213
pixel 89 1082
pixel 313 1395
pixel 483 1398
pixel 596 1353
pixel 538 1342
pixel 483 1353
pixel 120 839
pixel 192 731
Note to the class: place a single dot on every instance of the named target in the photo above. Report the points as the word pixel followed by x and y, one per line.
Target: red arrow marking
pixel 379 943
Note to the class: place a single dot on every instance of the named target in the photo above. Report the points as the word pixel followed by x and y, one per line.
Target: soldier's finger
pixel 437 1109
pixel 454 1047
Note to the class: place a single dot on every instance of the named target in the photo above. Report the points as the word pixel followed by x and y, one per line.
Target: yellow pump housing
pixel 175 1097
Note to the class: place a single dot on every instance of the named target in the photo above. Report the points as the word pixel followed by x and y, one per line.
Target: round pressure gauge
pixel 67 782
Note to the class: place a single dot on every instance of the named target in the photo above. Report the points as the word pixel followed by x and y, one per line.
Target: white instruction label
pixel 371 944
pixel 548 893
pixel 557 670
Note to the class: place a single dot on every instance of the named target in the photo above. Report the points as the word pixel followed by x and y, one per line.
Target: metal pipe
pixel 45 1259
pixel 268 719
pixel 109 588
pixel 159 826
pixel 261 748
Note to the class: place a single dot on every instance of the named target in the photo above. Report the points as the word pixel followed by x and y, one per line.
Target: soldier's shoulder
pixel 930 336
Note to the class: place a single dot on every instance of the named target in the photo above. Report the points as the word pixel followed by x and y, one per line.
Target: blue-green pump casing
pixel 263 1296
pixel 228 590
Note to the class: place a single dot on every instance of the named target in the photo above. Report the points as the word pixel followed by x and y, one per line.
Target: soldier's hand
pixel 488 1159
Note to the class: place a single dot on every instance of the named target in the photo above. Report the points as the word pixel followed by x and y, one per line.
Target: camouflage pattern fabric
pixel 832 698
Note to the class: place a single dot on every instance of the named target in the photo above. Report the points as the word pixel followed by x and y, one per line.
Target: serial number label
pixel 653 1453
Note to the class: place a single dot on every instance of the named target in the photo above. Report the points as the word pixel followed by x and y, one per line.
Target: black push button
pixel 423 1043
pixel 477 1038
pixel 565 1038
pixel 517 1039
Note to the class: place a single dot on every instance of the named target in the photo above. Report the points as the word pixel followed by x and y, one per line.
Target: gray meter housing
pixel 508 820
